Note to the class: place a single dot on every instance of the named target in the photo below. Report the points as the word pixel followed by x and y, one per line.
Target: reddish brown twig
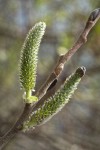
pixel 94 16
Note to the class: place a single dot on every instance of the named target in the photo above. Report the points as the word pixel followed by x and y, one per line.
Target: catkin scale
pixel 57 102
pixel 29 56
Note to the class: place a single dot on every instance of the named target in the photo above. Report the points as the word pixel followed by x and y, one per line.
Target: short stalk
pixel 28 94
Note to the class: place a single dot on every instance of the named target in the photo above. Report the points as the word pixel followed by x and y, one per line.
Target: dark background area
pixel 77 126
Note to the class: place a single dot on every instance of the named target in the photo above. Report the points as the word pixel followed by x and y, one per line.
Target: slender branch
pixel 16 127
pixel 94 16
pixel 54 75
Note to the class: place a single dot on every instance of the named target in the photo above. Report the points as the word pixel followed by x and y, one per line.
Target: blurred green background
pixel 77 126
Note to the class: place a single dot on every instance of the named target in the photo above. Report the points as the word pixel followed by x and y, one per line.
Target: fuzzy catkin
pixel 57 102
pixel 29 56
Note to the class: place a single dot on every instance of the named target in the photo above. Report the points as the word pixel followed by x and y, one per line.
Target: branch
pixel 17 126
pixel 94 16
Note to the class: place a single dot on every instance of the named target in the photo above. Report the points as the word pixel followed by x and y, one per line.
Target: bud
pixel 94 14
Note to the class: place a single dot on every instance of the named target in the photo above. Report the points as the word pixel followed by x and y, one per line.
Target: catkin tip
pixel 41 24
pixel 81 71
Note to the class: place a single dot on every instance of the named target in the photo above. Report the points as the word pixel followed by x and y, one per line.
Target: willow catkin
pixel 29 57
pixel 57 102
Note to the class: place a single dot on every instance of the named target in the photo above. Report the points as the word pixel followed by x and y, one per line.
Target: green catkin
pixel 57 102
pixel 29 57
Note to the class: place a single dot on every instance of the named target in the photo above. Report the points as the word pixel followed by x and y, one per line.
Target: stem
pixel 28 94
pixel 93 18
pixel 17 126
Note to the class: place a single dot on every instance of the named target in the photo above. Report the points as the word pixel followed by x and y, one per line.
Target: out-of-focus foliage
pixel 77 126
